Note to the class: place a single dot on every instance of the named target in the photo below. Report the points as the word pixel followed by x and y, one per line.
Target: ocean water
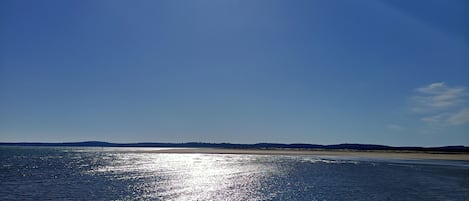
pixel 61 173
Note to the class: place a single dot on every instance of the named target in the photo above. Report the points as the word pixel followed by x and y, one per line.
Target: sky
pixel 392 72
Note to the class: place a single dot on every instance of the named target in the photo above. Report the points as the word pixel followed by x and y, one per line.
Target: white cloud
pixel 432 88
pixel 438 96
pixel 441 104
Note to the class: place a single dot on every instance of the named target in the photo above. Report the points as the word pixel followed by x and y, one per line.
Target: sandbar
pixel 351 153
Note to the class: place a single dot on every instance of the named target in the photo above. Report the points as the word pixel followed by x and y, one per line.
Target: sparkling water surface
pixel 67 173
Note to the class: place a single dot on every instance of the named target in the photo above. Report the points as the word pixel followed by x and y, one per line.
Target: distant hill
pixel 362 147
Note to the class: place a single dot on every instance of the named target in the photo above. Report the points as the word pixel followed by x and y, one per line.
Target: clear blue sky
pixel 314 71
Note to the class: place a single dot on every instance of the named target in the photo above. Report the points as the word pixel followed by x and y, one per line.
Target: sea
pixel 85 173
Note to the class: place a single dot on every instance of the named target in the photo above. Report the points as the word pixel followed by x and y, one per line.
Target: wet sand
pixel 353 153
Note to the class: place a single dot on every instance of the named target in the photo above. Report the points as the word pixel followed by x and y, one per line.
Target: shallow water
pixel 40 173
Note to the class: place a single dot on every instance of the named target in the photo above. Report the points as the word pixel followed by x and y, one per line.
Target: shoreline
pixel 372 154
pixel 351 153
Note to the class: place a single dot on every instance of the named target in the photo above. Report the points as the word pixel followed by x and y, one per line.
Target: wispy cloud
pixel 461 117
pixel 441 104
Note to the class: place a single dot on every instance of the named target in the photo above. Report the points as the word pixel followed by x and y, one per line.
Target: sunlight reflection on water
pixel 191 176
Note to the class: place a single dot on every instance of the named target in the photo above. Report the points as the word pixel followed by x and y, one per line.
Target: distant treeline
pixel 363 147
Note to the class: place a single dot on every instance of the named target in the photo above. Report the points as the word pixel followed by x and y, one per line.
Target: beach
pixel 350 153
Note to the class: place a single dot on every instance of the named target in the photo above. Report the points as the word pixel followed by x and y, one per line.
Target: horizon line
pixel 229 143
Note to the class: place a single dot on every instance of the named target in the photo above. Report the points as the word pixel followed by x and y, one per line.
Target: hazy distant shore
pixel 353 153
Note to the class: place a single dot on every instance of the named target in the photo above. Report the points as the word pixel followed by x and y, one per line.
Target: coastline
pixel 351 153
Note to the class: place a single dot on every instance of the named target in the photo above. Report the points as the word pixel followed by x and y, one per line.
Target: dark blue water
pixel 35 173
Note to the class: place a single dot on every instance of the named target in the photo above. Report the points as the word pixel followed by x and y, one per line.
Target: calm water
pixel 33 173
